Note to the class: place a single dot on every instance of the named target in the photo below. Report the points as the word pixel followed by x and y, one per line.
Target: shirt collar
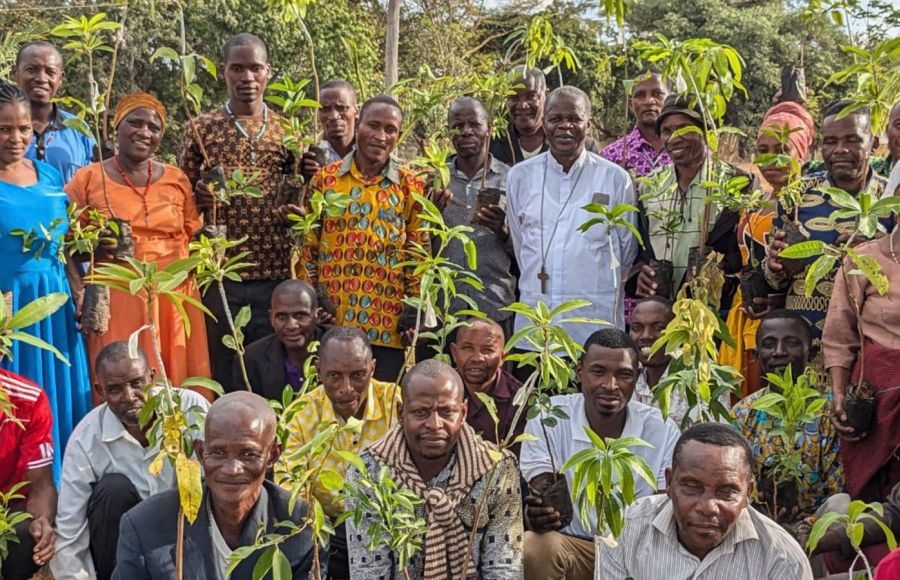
pixel 499 390
pixel 111 428
pixel 633 424
pixel 391 170
pixel 57 120
pixel 373 410
pixel 557 166
pixel 742 531
pixel 495 166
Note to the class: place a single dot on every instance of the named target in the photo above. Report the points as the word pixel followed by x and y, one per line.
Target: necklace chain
pixel 891 245
pixel 546 250
pixel 130 184
pixel 254 141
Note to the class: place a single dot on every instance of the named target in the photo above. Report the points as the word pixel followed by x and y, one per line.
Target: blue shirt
pixel 63 148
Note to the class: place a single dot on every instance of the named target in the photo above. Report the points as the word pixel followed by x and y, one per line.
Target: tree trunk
pixel 392 45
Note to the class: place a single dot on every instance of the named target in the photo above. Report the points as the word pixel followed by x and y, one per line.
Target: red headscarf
pixel 795 117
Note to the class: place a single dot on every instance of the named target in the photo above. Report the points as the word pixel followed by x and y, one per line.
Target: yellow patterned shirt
pixel 380 415
pixel 355 256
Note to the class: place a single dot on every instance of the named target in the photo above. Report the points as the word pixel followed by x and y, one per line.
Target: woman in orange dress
pixel 753 231
pixel 158 201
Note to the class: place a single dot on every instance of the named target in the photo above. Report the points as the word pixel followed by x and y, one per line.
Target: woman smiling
pixel 31 201
pixel 157 201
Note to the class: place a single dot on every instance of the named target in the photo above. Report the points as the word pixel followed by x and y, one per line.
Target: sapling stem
pixel 179 546
pixel 239 345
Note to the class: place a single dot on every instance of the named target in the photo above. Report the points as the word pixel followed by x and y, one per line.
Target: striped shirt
pixel 756 548
pixel 29 446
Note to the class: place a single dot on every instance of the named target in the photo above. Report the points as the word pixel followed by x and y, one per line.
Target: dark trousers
pixel 111 497
pixel 338 557
pixel 19 563
pixel 388 362
pixel 255 293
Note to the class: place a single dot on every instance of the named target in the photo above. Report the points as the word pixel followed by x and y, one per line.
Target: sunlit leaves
pixel 604 479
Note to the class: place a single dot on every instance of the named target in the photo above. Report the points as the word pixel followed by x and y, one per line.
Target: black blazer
pixel 264 359
pixel 147 533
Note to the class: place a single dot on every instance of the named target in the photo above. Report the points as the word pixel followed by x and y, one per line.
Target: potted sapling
pixel 493 91
pixel 861 217
pixel 550 350
pixel 792 404
pixel 654 188
pixel 89 231
pixel 86 37
pixel 297 110
pixel 604 481
pixel 611 218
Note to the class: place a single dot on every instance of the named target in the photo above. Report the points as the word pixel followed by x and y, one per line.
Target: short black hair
pixel 479 106
pixel 611 337
pixel 244 39
pixel 785 314
pixel 338 84
pixel 36 44
pixel 571 92
pixel 115 352
pixel 717 434
pixel 297 287
pixel 531 74
pixel 662 300
pixel 432 368
pixel 380 100
pixel 838 106
pixel 645 75
pixel 344 334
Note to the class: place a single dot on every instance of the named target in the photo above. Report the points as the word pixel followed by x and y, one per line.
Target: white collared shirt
pixel 100 445
pixel 567 438
pixel 756 549
pixel 579 265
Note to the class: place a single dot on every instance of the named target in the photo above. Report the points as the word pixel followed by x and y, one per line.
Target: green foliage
pixel 434 166
pixel 690 339
pixel 860 215
pixel 9 519
pixel 792 404
pixel 441 278
pixel 851 524
pixel 394 523
pixel 877 76
pixel 709 72
pixel 540 43
pixel 11 324
pixel 425 98
pixel 298 112
pixel 191 90
pixel 493 90
pixel 604 480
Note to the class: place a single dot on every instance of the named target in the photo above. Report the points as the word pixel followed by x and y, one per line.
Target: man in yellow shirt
pixel 345 368
pixel 359 257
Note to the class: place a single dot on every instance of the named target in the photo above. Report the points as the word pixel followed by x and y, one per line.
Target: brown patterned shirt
pixel 268 240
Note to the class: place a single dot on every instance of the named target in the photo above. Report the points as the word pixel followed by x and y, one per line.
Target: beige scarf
pixel 446 539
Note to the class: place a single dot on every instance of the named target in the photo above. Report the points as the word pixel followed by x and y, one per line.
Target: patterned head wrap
pixel 796 118
pixel 129 103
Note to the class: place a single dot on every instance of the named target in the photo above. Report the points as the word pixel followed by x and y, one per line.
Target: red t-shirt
pixel 889 568
pixel 28 448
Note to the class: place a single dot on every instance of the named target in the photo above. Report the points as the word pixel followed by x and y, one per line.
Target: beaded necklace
pixel 254 141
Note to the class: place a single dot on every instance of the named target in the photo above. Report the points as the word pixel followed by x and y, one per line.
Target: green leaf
pixel 818 270
pixel 803 250
pixel 204 383
pixel 243 317
pixel 263 564
pixel 37 342
pixel 37 310
pixel 164 52
pixel 281 567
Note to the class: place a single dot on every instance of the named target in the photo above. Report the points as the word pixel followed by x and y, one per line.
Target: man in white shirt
pixel 608 371
pixel 704 528
pixel 106 466
pixel 546 195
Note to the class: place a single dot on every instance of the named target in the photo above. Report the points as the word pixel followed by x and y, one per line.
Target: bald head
pixel 245 410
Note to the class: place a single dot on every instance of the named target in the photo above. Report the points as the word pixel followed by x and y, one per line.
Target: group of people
pixel 98 512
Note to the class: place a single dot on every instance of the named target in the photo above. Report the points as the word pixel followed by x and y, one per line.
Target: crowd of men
pixel 106 516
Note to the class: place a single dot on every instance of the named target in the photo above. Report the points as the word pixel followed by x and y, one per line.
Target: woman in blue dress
pixel 32 201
